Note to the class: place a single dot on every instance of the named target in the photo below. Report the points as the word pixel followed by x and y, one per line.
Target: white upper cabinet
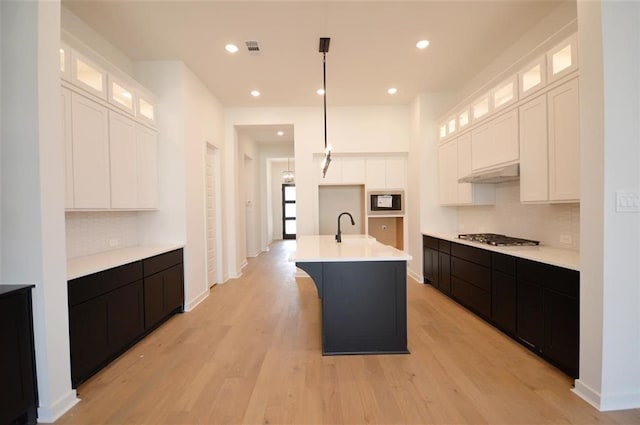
pixel 147 167
pixel 90 133
pixel 564 142
pixel 88 75
pixel 122 152
pixel 504 94
pixel 481 107
pixel 65 62
pixel 496 142
pixel 376 170
pixel 121 95
pixel 562 59
pixel 534 161
pixel 395 173
pixel 353 170
pixel 533 77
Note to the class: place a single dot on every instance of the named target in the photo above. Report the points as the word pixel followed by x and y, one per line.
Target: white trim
pixel 196 301
pixel 415 276
pixel 586 393
pixel 50 414
pixel 609 402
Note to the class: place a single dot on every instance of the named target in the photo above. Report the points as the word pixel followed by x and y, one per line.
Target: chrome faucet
pixel 339 234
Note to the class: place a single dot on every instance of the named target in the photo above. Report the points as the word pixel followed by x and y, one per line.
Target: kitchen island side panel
pixel 364 307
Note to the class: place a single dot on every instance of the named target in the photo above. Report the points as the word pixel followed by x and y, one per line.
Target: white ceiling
pixel 372 44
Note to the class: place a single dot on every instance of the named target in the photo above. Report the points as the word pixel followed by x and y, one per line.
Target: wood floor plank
pixel 251 353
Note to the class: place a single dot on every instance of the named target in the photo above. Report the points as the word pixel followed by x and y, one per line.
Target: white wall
pixel 372 129
pixel 248 202
pixel 188 117
pixel 33 240
pixel 610 241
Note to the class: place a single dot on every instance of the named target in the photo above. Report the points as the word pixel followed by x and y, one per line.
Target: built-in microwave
pixel 385 202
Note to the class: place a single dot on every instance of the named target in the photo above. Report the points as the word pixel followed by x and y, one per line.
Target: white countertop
pixel 566 258
pixel 324 248
pixel 89 264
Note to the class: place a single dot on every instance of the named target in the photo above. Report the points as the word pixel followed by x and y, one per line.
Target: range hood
pixel 495 175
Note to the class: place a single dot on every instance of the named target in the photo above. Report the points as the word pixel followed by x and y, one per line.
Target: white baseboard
pixel 607 402
pixel 416 276
pixel 50 414
pixel 196 301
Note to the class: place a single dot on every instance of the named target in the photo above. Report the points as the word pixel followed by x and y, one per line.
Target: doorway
pixel 288 211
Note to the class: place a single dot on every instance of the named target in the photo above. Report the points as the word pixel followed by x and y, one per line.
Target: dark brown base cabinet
pixel 109 311
pixel 535 303
pixel 18 387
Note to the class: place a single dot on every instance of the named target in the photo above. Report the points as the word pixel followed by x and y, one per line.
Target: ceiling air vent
pixel 253 47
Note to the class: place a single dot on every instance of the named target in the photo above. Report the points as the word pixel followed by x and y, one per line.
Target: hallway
pixel 250 353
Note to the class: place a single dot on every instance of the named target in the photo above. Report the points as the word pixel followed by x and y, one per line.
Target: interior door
pixel 288 211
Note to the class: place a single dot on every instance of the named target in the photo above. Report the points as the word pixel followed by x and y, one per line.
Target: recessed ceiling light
pixel 231 48
pixel 392 90
pixel 320 91
pixel 422 44
pixel 280 133
pixel 255 93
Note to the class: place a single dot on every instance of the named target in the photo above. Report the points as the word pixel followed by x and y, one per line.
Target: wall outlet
pixel 384 227
pixel 627 201
pixel 566 239
pixel 113 243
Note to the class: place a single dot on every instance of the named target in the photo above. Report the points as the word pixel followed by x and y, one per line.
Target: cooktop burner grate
pixel 497 240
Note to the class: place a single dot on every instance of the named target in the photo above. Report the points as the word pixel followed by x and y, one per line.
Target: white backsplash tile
pixel 93 232
pixel 551 224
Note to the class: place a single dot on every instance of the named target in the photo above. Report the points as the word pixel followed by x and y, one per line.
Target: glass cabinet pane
pixel 503 95
pixel 121 95
pixel 463 119
pixel 63 64
pixel 89 75
pixel 481 108
pixel 532 78
pixel 145 109
pixel 561 60
pixel 452 125
pixel 443 131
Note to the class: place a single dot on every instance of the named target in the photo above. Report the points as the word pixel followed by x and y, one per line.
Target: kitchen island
pixel 362 285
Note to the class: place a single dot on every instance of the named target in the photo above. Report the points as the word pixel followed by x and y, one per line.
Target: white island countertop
pixel 324 248
pixel 567 258
pixel 89 264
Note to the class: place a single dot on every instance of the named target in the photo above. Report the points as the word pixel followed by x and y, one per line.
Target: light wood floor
pixel 250 353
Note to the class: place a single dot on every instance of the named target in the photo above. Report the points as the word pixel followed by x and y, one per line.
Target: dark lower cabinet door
pixel 126 315
pixel 531 314
pixel 174 288
pixel 153 300
pixel 444 272
pixel 503 301
pixel 18 398
pixel 561 343
pixel 89 337
pixel 430 266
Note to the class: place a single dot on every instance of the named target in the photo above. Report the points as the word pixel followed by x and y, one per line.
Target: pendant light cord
pixel 324 96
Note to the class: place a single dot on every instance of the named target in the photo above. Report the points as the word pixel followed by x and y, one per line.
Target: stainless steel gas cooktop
pixel 497 240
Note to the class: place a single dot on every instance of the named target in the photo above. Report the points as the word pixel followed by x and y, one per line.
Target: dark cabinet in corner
pixel 18 388
pixel 163 287
pixel 111 310
pixel 548 312
pixel 536 304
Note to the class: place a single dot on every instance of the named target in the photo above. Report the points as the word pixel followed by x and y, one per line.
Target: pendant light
pixel 324 48
pixel 287 175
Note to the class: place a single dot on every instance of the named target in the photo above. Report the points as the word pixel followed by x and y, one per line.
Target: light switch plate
pixel 627 201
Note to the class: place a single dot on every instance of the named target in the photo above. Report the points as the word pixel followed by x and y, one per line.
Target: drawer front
pixel 472 273
pixel 161 262
pixel 470 253
pixel 503 263
pixel 471 296
pixel 429 242
pixel 444 246
pixel 87 287
pixel 559 279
